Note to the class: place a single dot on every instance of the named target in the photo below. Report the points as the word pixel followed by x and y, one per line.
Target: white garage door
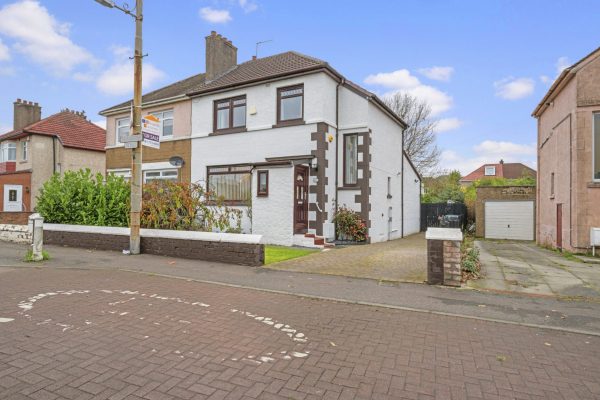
pixel 509 220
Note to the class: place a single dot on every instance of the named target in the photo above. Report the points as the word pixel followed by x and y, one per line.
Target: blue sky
pixel 482 65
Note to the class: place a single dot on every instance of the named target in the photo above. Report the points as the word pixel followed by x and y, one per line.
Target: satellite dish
pixel 176 161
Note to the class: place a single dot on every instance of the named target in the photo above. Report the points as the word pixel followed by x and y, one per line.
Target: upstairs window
pixel 123 128
pixel 8 152
pixel 596 149
pixel 290 104
pixel 24 150
pixel 166 122
pixel 230 114
pixel 350 160
pixel 230 183
pixel 490 171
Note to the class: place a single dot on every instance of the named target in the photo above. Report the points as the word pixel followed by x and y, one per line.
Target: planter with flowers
pixel 350 228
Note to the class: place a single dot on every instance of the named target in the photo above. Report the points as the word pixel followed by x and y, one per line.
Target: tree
pixel 419 137
pixel 443 188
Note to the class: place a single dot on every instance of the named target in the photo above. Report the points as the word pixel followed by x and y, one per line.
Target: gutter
pixel 110 111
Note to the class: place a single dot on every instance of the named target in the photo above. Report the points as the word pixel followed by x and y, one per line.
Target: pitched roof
pixel 256 70
pixel 174 90
pixel 565 76
pixel 278 65
pixel 72 128
pixel 503 170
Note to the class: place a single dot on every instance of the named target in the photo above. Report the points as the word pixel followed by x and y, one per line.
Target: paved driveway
pixel 526 268
pixel 68 334
pixel 401 260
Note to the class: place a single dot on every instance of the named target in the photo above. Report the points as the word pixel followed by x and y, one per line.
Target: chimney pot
pixel 25 113
pixel 253 57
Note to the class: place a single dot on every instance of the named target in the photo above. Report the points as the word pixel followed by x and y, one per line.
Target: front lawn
pixel 274 254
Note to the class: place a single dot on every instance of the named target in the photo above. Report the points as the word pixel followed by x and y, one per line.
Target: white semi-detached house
pixel 290 137
pixel 287 139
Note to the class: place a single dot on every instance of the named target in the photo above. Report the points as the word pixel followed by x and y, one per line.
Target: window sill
pixel 592 185
pixel 291 122
pixel 262 195
pixel 551 197
pixel 228 203
pixel 349 188
pixel 228 131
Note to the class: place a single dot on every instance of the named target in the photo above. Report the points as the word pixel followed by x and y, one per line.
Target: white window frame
pixel 490 167
pixel 164 175
pixel 24 150
pixel 161 117
pixel 125 173
pixel 118 125
pixel 595 131
pixel 4 152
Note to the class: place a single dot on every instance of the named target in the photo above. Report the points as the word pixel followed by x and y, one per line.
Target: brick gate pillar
pixel 443 256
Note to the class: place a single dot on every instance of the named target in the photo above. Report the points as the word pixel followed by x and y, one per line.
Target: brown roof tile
pixel 503 170
pixel 73 130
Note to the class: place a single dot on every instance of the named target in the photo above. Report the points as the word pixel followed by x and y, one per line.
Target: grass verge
pixel 29 256
pixel 275 254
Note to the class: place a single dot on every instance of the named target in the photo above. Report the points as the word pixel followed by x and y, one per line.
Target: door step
pixel 311 240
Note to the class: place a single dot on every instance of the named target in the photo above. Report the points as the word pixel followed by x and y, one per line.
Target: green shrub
pixel 80 198
pixel 349 225
pixel 470 265
pixel 29 256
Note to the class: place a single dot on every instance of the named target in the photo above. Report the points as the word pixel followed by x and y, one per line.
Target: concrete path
pixel 97 334
pixel 523 267
pixel 573 316
pixel 401 260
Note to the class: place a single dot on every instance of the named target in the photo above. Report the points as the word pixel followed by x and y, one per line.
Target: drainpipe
pixel 53 154
pixel 402 187
pixel 337 146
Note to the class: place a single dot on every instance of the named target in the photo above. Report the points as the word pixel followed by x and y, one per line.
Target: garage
pixel 509 220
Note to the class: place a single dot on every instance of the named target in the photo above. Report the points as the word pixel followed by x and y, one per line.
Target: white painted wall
pixel 412 200
pixel 272 216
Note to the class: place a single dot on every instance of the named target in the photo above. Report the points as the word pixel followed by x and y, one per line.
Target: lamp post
pixel 136 125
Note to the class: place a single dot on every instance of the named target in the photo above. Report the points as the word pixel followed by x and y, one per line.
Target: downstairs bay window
pixel 230 183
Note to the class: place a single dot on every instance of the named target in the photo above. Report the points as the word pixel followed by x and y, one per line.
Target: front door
pixel 300 199
pixel 559 232
pixel 13 198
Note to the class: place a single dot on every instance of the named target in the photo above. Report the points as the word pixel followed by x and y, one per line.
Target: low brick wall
pixel 207 246
pixel 443 256
pixel 14 218
pixel 15 233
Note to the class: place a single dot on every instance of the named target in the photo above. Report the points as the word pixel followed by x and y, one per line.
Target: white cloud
pixel 561 64
pixel 403 81
pixel 101 123
pixel 40 37
pixel 215 16
pixel 489 151
pixel 4 52
pixel 437 73
pixel 545 79
pixel 118 78
pixel 447 124
pixel 514 88
pixel 248 5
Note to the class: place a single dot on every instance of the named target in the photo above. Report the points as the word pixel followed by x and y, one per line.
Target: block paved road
pixel 120 335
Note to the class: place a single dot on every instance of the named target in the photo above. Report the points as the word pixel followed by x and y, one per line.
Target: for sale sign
pixel 151 131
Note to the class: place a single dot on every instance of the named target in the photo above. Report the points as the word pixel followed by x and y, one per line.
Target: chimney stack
pixel 25 113
pixel 221 55
pixel 501 161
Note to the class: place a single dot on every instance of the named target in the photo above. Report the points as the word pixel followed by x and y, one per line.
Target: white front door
pixel 13 198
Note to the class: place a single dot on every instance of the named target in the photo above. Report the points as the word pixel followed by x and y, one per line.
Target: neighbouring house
pixel 499 170
pixel 36 148
pixel 288 140
pixel 173 108
pixel 568 191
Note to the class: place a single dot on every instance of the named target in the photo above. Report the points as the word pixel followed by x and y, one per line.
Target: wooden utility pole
pixel 136 152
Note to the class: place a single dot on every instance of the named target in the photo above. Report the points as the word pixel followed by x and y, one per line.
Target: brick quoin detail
pixel 233 253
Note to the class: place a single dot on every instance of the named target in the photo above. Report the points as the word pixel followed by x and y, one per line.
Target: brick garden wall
pixel 14 218
pixel 252 254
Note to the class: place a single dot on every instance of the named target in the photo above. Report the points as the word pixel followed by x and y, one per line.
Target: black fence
pixel 443 215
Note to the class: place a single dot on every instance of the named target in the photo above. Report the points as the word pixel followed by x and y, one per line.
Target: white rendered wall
pixel 272 216
pixel 386 163
pixel 412 200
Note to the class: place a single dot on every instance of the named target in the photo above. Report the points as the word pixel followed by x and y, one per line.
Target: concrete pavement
pixel 108 334
pixel 574 316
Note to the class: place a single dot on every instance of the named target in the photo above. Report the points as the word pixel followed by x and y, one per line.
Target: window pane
pixel 167 127
pixel 291 92
pixel 291 108
pixel 351 167
pixel 239 102
pixel 597 146
pixel 223 118
pixel 167 115
pixel 239 116
pixel 231 186
pixel 262 182
pixel 12 152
